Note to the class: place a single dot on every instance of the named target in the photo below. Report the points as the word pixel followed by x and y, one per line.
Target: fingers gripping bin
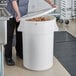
pixel 38 39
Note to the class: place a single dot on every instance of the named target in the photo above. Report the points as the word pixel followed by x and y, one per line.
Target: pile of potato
pixel 39 19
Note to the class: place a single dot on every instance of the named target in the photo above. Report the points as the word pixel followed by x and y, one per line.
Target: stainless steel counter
pixel 1 61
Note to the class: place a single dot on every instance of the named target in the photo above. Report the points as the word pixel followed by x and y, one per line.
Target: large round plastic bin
pixel 38 41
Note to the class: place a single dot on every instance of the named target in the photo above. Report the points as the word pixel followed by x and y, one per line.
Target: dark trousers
pixel 11 26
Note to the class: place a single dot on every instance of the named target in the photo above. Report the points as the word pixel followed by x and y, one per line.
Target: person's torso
pixel 23 7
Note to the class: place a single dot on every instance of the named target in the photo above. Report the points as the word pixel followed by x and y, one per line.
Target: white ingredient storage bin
pixel 38 42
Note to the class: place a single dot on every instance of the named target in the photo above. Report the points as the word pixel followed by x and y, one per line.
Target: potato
pixel 39 19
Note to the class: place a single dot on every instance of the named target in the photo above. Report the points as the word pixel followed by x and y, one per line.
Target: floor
pixel 19 70
pixel 65 51
pixel 70 28
pixel 58 68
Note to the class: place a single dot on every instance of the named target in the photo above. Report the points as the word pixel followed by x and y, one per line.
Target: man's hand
pixel 53 5
pixel 18 18
pixel 49 2
pixel 16 8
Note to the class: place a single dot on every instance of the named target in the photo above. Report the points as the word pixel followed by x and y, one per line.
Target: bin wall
pixel 38 51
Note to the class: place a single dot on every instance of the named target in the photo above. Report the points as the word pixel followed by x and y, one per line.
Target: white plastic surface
pixel 38 39
pixel 35 5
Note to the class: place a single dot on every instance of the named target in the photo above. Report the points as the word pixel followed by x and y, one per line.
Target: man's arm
pixel 16 8
pixel 49 2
